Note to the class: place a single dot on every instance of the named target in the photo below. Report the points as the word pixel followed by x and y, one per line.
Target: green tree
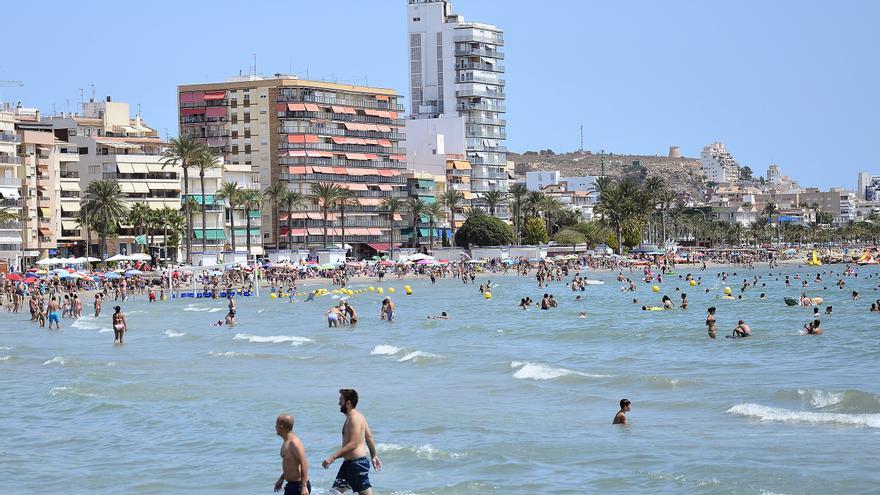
pixel 231 194
pixel 535 232
pixel 415 207
pixel 434 211
pixel 275 194
pixel 517 194
pixel 493 200
pixel 620 204
pixel 569 237
pixel 205 161
pixel 347 198
pixel 184 152
pixel 452 200
pixel 326 194
pixel 251 200
pixel 483 230
pixel 391 205
pixel 294 200
pixel 138 217
pixel 103 200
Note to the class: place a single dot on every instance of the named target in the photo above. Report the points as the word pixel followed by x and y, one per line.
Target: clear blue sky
pixel 791 82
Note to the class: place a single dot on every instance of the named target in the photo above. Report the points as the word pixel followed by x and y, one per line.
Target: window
pixel 247 149
pixel 234 149
pixel 234 134
pixel 417 19
pixel 247 133
pixel 235 118
pixel 83 151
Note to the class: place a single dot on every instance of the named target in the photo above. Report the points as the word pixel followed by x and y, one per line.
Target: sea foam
pixel 275 339
pixel 56 360
pixel 421 356
pixel 820 399
pixel 229 354
pixel 385 350
pixel 765 413
pixel 172 333
pixel 426 451
pixel 537 371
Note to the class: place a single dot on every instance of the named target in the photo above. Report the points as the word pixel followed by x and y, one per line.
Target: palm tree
pixel 517 194
pixel 275 193
pixel 205 161
pixel 347 198
pixel 154 223
pixel 618 207
pixel 168 218
pixel 392 206
pixel 434 211
pixel 326 194
pixel 251 200
pixel 103 199
pixel 138 217
pixel 493 199
pixel 768 211
pixel 231 194
pixel 452 199
pixel 82 218
pixel 549 206
pixel 8 216
pixel 415 207
pixel 293 200
pixel 183 152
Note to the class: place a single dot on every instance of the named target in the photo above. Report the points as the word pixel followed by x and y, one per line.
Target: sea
pixel 494 400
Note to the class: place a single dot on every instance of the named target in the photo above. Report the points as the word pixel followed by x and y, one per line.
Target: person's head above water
pixel 624 404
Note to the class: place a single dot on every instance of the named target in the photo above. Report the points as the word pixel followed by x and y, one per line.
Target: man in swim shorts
pixel 294 464
pixel 54 314
pixel 620 417
pixel 355 470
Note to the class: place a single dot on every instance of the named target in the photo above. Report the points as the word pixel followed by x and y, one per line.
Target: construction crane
pixel 11 83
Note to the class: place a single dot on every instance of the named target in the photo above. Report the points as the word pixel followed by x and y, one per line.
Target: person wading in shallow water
pixel 294 464
pixel 119 325
pixel 620 417
pixel 354 474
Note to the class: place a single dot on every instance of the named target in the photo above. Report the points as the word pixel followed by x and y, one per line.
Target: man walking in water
pixel 620 417
pixel 354 474
pixel 294 464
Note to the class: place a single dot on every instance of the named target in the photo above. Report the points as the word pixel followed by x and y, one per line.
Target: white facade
pixel 429 141
pixel 718 164
pixel 868 187
pixel 539 179
pixel 774 175
pixel 585 183
pixel 455 70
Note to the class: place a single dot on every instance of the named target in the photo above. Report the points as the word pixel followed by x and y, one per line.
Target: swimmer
pixel 813 328
pixel 218 324
pixel 54 314
pixel 582 315
pixel 741 330
pixel 684 301
pixel 387 310
pixel 294 464
pixel 441 316
pixel 332 317
pixel 354 473
pixel 667 302
pixel 620 417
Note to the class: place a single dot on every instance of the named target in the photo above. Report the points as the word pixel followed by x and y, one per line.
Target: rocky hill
pixel 682 174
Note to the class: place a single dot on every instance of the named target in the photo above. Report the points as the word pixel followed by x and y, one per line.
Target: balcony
pixel 69 174
pixel 287 95
pixel 342 117
pixel 468 77
pixel 486 121
pixel 478 37
pixel 483 105
pixel 10 159
pixel 8 137
pixel 471 92
pixel 463 65
pixel 472 132
pixel 10 181
pixel 469 51
pixel 329 131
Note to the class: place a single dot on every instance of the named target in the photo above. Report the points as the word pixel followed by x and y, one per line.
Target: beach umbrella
pixel 40 272
pixel 47 261
pixel 386 263
pixel 92 259
pixel 130 273
pixel 216 273
pixel 14 277
pixel 140 257
pixel 426 262
pixel 65 275
pixel 509 261
pixel 118 257
pixel 112 275
pixel 60 270
pixel 419 257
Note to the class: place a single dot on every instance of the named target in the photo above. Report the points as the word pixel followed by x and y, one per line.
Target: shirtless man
pixel 741 330
pixel 54 314
pixel 620 417
pixel 813 328
pixel 294 464
pixel 355 470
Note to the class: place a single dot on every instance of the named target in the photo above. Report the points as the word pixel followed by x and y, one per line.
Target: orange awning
pixel 356 156
pixel 340 170
pixel 296 153
pixel 339 140
pixel 384 142
pixel 46 231
pixel 381 97
pixel 214 95
pixel 356 186
pixel 311 107
pixel 397 157
pixel 384 173
pixel 369 201
pixel 297 170
pixel 296 107
pixel 385 187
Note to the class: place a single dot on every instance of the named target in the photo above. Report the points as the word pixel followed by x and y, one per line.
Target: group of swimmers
pixel 342 313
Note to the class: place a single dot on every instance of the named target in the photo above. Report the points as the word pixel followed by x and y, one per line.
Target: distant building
pixel 456 72
pixel 868 187
pixel 585 183
pixel 718 164
pixel 539 179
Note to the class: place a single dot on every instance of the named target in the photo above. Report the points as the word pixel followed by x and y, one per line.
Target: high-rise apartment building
pixel 301 132
pixel 718 164
pixel 456 72
pixel 10 184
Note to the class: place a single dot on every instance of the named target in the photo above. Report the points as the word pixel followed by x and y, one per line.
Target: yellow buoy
pixel 272 295
pixel 391 290
pixel 727 290
pixel 693 283
pixel 487 295
pixel 371 288
pixel 164 298
pixel 655 288
pixel 406 287
pixel 408 291
pixel 380 290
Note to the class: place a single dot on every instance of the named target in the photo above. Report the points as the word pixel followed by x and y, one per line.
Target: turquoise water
pixel 495 400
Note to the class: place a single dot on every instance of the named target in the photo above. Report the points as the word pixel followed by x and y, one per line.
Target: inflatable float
pixel 790 301
pixel 814 261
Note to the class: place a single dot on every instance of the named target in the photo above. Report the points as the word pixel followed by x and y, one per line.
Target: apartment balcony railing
pixel 475 160
pixel 467 77
pixel 462 65
pixel 485 120
pixel 468 51
pixel 302 160
pixel 11 159
pixel 350 148
pixel 491 38
pixel 10 203
pixel 470 92
pixel 10 225
pixel 479 133
pixel 71 174
pixel 343 117
pixel 287 95
pixel 8 137
pixel 486 106
pixel 329 131
pixel 10 181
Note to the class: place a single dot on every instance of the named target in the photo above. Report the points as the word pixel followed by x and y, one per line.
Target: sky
pixel 788 82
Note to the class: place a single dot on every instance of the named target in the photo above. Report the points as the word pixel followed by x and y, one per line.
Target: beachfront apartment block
pixel 300 132
pixel 112 145
pixel 718 164
pixel 10 184
pixel 456 72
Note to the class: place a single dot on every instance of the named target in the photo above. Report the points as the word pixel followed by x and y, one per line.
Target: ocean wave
pixel 69 391
pixel 229 354
pixel 820 399
pixel 537 371
pixel 426 451
pixel 86 323
pixel 5 358
pixel 275 339
pixel 56 360
pixel 192 307
pixel 4 348
pixel 765 413
pixel 385 350
pixel 420 356
pixel 172 333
